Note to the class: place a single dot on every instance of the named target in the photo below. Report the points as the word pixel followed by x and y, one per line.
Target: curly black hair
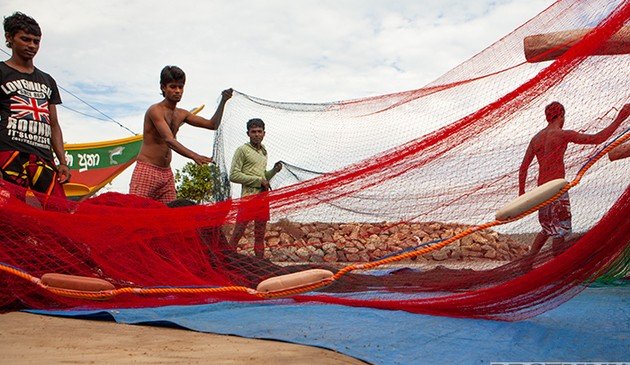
pixel 21 22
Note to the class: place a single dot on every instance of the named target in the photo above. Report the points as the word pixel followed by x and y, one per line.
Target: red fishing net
pixel 370 181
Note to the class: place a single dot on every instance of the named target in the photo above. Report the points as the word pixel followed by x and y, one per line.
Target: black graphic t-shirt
pixel 24 113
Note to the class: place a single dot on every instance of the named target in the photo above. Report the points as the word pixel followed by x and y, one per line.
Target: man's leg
pixel 561 223
pixel 259 238
pixel 142 181
pixel 537 245
pixel 237 234
pixel 167 193
pixel 558 246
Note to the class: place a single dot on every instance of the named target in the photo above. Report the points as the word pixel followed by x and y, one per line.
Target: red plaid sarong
pixel 153 182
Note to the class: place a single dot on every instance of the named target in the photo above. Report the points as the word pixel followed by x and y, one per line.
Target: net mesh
pixel 369 189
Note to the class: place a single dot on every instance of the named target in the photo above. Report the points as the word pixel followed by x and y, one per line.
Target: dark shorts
pixel 555 218
pixel 32 172
pixel 253 208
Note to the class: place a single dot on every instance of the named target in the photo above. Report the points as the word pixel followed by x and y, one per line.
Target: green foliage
pixel 197 182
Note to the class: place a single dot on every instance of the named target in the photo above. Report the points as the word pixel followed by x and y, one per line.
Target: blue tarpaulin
pixel 594 326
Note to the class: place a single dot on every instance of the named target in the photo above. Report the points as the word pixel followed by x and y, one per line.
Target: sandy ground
pixel 36 339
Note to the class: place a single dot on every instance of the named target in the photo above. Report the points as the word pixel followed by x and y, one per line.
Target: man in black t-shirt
pixel 29 129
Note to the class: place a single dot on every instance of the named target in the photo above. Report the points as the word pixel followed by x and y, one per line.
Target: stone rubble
pixel 362 242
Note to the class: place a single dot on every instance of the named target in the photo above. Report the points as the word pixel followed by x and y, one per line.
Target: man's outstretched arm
pixel 165 132
pixel 604 134
pixel 214 122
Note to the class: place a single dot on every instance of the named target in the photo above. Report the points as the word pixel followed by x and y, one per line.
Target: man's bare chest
pixel 174 122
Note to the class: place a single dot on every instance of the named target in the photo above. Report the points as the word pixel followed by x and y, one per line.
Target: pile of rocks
pixel 362 242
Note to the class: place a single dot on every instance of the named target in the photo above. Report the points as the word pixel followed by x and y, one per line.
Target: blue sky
pixel 110 53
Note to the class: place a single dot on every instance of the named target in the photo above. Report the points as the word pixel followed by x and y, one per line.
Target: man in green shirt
pixel 249 169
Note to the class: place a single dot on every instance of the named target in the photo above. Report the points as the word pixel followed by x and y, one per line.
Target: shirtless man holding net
pixel 548 147
pixel 152 177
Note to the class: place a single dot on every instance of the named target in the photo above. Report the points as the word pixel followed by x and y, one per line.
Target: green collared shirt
pixel 249 168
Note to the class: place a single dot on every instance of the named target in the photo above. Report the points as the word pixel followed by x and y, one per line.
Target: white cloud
pixel 109 53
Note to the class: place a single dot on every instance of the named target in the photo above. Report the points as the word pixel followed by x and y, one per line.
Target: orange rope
pixel 106 294
pixel 19 273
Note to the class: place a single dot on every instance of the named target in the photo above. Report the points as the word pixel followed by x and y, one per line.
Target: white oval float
pixel 530 199
pixel 293 281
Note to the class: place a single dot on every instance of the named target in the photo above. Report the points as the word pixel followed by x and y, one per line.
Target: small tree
pixel 198 183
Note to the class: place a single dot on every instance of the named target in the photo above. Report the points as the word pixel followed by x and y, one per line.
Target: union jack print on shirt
pixel 23 106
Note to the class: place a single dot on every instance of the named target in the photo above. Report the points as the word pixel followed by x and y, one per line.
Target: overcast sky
pixel 109 53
